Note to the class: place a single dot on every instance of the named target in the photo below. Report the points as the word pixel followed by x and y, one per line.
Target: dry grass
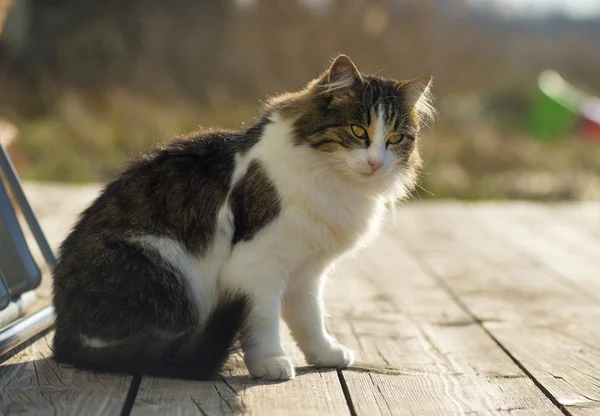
pixel 484 163
pixel 100 85
pixel 85 141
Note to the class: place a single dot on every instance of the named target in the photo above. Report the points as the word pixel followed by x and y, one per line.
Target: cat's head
pixel 366 127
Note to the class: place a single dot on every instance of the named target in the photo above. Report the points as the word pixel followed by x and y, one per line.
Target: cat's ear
pixel 417 95
pixel 415 89
pixel 343 73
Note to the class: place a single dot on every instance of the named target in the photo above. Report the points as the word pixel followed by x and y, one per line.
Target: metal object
pixel 27 327
pixel 4 294
pixel 20 270
pixel 16 309
pixel 14 183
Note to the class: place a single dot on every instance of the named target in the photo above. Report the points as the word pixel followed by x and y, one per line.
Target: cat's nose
pixel 375 164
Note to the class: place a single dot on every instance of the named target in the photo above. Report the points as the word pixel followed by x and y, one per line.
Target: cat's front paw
pixel 332 355
pixel 271 368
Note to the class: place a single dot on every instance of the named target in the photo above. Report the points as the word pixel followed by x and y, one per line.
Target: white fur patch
pixel 241 167
pixel 200 272
pixel 321 215
pixel 322 218
pixel 377 150
pixel 93 342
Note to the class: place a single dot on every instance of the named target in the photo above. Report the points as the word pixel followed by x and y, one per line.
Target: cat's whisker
pixel 330 168
pixel 419 196
pixel 346 173
pixel 430 193
pixel 414 199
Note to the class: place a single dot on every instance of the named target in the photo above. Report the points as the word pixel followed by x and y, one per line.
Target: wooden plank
pixel 585 214
pixel 546 323
pixel 564 247
pixel 312 392
pixel 418 351
pixel 375 322
pixel 31 382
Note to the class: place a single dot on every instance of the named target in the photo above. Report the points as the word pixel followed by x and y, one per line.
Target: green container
pixel 556 107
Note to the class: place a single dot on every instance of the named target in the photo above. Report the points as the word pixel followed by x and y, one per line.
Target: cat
pixel 211 238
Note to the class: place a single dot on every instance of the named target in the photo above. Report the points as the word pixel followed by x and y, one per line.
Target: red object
pixel 589 125
pixel 590 129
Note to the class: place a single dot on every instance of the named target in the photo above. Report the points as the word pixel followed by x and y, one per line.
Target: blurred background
pixel 91 83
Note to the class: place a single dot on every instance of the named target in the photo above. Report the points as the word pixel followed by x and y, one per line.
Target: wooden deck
pixel 489 308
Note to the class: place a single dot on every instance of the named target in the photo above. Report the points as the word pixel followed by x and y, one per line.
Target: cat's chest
pixel 332 223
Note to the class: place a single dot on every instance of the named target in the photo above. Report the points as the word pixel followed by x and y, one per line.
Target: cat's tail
pixel 198 354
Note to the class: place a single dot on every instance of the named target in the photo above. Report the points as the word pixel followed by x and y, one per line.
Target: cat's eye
pixel 359 132
pixel 395 139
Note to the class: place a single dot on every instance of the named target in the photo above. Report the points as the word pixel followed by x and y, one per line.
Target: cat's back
pixel 174 191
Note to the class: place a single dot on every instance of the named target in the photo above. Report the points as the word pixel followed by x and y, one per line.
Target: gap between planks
pixel 375 357
pixel 480 323
pixel 543 322
pixel 313 392
pixel 567 250
pixel 418 351
pixel 33 383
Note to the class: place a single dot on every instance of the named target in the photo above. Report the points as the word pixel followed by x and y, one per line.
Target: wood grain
pixel 312 392
pixel 32 383
pixel 543 319
pixel 567 249
pixel 585 214
pixel 424 309
pixel 418 352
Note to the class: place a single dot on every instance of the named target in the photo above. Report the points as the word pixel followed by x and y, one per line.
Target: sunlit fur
pixel 309 197
pixel 325 110
pixel 332 202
